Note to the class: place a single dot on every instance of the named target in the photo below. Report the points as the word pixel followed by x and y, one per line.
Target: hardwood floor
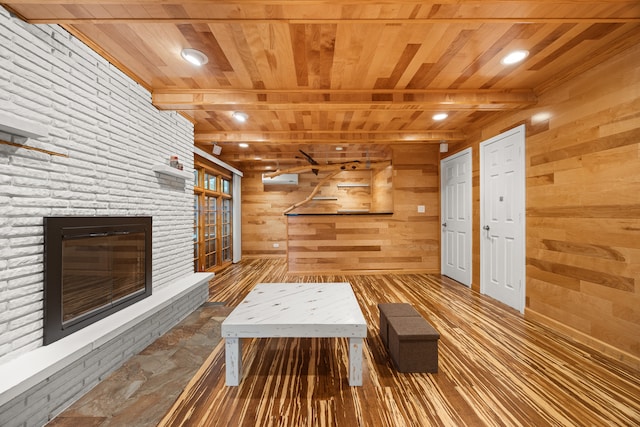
pixel 495 367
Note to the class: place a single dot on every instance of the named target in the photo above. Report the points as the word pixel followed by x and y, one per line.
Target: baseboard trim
pixel 363 272
pixel 621 356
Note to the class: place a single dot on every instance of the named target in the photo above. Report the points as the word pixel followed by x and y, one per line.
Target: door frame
pixel 519 131
pixel 467 151
pixel 218 194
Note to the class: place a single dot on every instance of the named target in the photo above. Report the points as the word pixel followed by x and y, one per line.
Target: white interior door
pixel 455 193
pixel 502 217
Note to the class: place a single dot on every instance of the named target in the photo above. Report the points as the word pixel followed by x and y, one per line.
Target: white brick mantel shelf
pixel 26 371
pixel 168 170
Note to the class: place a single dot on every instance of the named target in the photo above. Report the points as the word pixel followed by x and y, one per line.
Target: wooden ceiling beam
pixel 322 100
pixel 72 12
pixel 330 137
pixel 297 2
pixel 318 21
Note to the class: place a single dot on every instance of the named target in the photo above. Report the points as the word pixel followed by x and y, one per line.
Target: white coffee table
pixel 299 310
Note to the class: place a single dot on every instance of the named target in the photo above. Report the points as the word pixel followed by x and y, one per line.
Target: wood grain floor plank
pixel 496 368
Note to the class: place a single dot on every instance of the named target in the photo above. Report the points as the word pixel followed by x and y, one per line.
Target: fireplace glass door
pixel 99 271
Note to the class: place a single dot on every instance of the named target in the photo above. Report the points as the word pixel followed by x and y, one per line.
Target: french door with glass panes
pixel 212 235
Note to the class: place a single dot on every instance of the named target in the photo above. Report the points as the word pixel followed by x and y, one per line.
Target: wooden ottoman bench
pixel 413 344
pixel 388 310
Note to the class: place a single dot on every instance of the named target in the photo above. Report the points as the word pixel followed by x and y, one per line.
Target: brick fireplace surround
pixel 109 138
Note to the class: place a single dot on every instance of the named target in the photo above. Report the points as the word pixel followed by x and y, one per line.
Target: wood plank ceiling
pixel 358 74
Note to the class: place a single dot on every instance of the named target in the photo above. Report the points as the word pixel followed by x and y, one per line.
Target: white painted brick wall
pixel 112 135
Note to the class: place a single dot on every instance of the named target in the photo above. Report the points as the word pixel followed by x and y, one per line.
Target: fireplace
pixel 94 266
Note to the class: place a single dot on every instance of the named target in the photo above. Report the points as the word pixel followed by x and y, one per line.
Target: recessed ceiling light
pixel 339 148
pixel 515 57
pixel 440 116
pixel 243 145
pixel 240 116
pixel 195 57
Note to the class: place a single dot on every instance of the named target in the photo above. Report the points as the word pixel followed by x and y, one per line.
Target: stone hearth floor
pixel 142 390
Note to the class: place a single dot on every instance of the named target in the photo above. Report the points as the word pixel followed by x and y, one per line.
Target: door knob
pixel 486 227
pixel 444 224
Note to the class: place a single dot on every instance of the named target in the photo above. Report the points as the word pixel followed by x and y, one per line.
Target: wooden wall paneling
pixel 263 224
pixel 382 190
pixel 404 241
pixel 583 206
pixel 337 243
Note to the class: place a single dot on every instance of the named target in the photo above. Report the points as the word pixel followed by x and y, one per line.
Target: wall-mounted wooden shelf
pixel 352 184
pixel 324 198
pixel 168 170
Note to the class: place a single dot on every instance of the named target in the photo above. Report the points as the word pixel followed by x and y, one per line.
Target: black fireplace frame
pixel 55 228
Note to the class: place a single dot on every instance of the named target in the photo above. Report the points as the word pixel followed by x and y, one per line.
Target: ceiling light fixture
pixel 339 148
pixel 515 57
pixel 240 116
pixel 243 145
pixel 440 116
pixel 195 57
